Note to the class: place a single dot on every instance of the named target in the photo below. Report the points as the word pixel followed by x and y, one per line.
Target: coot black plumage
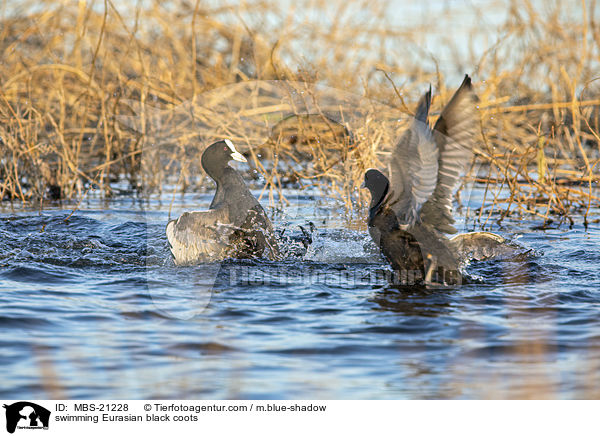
pixel 235 225
pixel 410 215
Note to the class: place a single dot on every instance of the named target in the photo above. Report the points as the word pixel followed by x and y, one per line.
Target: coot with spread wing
pixel 235 225
pixel 411 213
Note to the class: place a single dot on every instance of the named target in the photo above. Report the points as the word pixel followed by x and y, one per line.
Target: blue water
pixel 93 307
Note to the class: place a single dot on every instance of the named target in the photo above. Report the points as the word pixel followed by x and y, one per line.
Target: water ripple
pixel 95 299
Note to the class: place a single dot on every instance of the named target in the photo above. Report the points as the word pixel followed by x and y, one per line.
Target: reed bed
pixel 122 99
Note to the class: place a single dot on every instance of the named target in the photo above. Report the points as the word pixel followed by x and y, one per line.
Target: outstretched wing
pixel 211 236
pixel 414 165
pixel 455 133
pixel 199 236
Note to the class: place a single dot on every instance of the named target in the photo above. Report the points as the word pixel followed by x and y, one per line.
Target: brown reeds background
pixel 122 97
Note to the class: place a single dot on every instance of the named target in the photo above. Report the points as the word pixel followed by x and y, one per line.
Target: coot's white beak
pixel 362 185
pixel 235 155
pixel 238 156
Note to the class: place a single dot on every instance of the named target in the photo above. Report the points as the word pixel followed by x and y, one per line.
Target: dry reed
pixel 123 99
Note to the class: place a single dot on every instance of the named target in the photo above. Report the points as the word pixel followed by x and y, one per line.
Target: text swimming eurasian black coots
pixel 235 225
pixel 411 213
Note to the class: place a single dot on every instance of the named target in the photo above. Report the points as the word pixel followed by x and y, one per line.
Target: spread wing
pixel 210 236
pixel 199 235
pixel 414 165
pixel 455 133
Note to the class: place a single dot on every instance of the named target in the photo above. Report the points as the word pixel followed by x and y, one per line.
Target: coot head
pixel 378 184
pixel 216 157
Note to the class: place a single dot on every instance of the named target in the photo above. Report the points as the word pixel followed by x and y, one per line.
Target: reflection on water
pixel 94 307
pixel 413 302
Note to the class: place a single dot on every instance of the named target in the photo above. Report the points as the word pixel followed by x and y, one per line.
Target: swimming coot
pixel 235 225
pixel 410 214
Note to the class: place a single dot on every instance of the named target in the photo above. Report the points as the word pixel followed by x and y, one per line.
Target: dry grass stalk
pixel 118 98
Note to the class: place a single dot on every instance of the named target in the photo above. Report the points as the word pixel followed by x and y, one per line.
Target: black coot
pixel 235 225
pixel 411 214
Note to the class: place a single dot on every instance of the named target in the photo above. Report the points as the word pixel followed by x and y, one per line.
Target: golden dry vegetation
pixel 119 96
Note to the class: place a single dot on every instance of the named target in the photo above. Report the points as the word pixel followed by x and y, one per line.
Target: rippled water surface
pixel 93 307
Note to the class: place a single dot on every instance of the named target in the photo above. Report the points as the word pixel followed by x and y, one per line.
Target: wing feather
pixel 414 165
pixel 202 235
pixel 455 133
